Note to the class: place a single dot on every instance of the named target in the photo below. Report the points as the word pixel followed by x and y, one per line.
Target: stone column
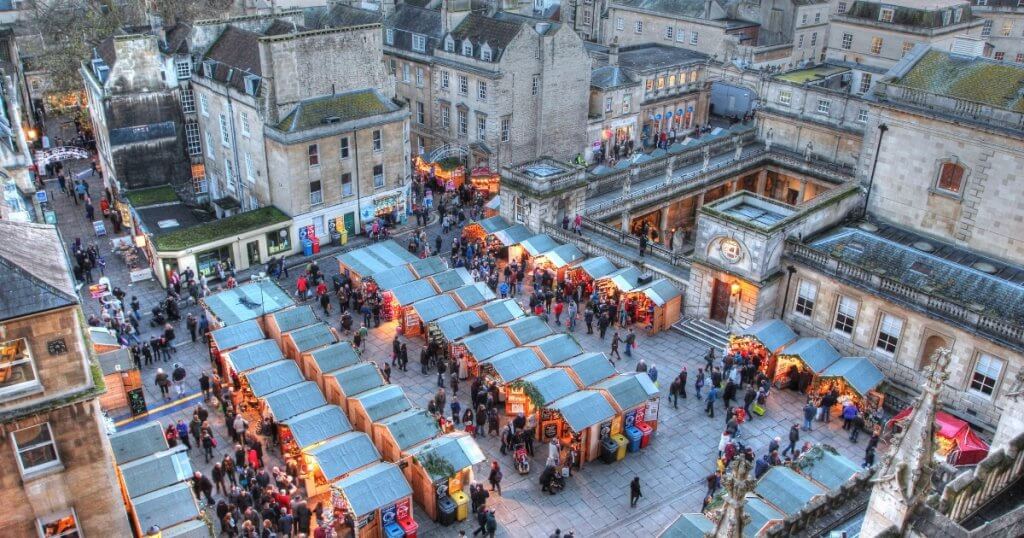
pixel 624 217
pixel 664 224
pixel 803 189
pixel 669 169
pixel 762 181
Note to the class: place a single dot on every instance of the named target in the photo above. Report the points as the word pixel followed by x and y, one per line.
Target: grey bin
pixel 446 510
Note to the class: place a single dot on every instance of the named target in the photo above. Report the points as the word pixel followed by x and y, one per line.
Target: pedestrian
pixel 481 520
pixel 492 524
pixel 630 342
pixel 634 492
pixel 849 412
pixel 217 475
pixel 192 324
pixel 495 477
pixel 204 386
pixel 202 486
pixel 615 346
pixel 673 393
pixel 183 434
pixel 856 425
pixel 682 382
pixel 809 412
pixel 709 410
pixel 794 436
pixel 698 382
pixel 869 456
pixel 386 371
pixel 178 375
pixel 164 382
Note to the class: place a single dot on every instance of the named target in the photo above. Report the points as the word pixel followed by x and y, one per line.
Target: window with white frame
pixel 817 17
pixel 60 525
pixel 243 121
pixel 841 8
pixel 862 115
pixel 814 38
pixel 346 184
pixel 865 82
pixel 419 43
pixel 608 104
pixel 192 141
pixel 229 175
pixel 481 127
pixel 481 90
pixel 343 145
pixel 803 19
pixel 800 41
pixel 313 155
pixel 463 122
pixel 886 14
pixel 209 144
pixel 639 27
pixel 506 126
pixel 378 176
pixel 485 54
pixel 846 315
pixel 463 85
pixel 188 100
pixel 445 116
pixel 535 85
pixel 876 45
pixel 316 193
pixel 467 48
pixel 668 33
pixel 847 41
pixel 250 168
pixel 389 36
pixel 986 29
pixel 421 113
pixel 36 449
pixel 419 77
pixel 680 35
pixel 204 106
pixel 183 68
pixel 406 73
pixel 1007 29
pixel 449 44
pixel 620 23
pixel 890 328
pixel 444 80
pixel 378 141
pixel 986 374
pixel 785 97
pixel 225 132
pixel 806 294
pixel 18 369
pixel 693 37
pixel 587 17
pixel 626 103
pixel 824 106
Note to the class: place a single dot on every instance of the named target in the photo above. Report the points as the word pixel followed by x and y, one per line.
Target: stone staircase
pixel 705 331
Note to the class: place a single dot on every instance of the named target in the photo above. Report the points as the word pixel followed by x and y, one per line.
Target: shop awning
pixel 318 425
pixel 583 409
pixel 513 235
pixel 563 255
pixel 761 515
pixel 248 301
pixel 455 326
pixel 828 468
pixel 459 449
pixel 689 526
pixel 527 329
pixel 557 348
pixel 274 377
pixel 772 333
pixel 156 471
pixel 515 363
pixel 343 454
pixel 488 344
pixel 418 290
pixel 661 291
pixel 252 356
pixel 598 267
pixel 103 338
pixel 383 402
pixel 816 353
pixel 474 294
pixel 539 244
pixel 858 372
pixel 785 489
pixel 294 400
pixel 590 367
pixel 970 448
pixel 552 384
pixel 232 336
pixel 312 337
pixel 410 428
pixel 451 279
pixel 502 311
pixel 358 378
pixel 390 279
pixel 335 357
pixel 625 279
pixel 188 529
pixel 435 308
pixel 629 390
pixel 494 224
pixel 425 267
pixel 294 318
pixel 373 488
pixel 134 443
pixel 165 507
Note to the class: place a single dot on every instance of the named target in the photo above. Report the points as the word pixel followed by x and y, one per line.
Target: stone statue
pixel 809 151
pixel 739 147
pixel 768 139
pixel 669 169
pixel 707 158
pixel 736 485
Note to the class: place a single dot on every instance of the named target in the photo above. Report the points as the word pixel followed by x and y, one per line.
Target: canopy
pixel 233 336
pixel 583 409
pixel 294 318
pixel 156 471
pixel 474 294
pixel 513 235
pixel 597 267
pixel 376 258
pixel 286 403
pixel 417 290
pixel 435 308
pixel 590 367
pixel 344 454
pixel 827 468
pixel 254 355
pixel 335 357
pixel 515 363
pixel 552 384
pixel 358 378
pixel 312 337
pixel 858 372
pixel 318 425
pixel 451 279
pixel 248 301
pixel 410 428
pixel 166 506
pixel 661 291
pixel 564 255
pixel 390 279
pixel 528 329
pixel 424 267
pixel 494 224
pixel 494 203
pixel 625 279
pixel 970 448
pixel 373 488
pixel 761 514
pixel 772 333
pixel 134 443
pixel 689 526
pixel 786 489
pixel 557 348
pixel 456 325
pixel 816 353
pixel 539 244
pixel 629 390
pixel 488 344
pixel 382 402
pixel 274 377
pixel 502 311
pixel 457 448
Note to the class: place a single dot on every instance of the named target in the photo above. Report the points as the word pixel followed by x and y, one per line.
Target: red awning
pixel 970 449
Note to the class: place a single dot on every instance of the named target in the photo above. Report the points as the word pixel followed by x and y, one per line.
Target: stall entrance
pixel 720 301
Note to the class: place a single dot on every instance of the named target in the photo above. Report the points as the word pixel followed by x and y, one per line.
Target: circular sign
pixel 731 250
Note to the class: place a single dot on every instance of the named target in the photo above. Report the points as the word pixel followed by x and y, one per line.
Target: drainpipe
pixel 357 178
pixel 785 298
pixel 871 181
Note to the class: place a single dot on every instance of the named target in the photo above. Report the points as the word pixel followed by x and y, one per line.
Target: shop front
pixel 636 401
pixel 333 460
pixel 657 305
pixel 559 260
pixel 369 501
pixel 956 443
pixel 390 207
pixel 320 362
pixel 366 261
pixel 576 422
pixel 505 370
pixel 400 300
pixel 485 229
pixel 340 386
pixel 855 380
pixel 624 280
pixel 535 246
pixel 439 472
pixel 510 239
pixel 760 343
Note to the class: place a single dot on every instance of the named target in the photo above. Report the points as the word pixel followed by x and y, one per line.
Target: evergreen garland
pixel 531 392
pixel 436 466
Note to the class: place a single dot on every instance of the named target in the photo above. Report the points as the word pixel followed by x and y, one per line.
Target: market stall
pixel 505 368
pixel 164 508
pixel 375 405
pixel 123 382
pixel 399 303
pixel 621 281
pixel 527 329
pixel 450 279
pixel 273 377
pixel 454 326
pixel 372 499
pixel 501 311
pixel 761 342
pixel 484 228
pixel 337 458
pixel 251 356
pixel 309 429
pixel 689 526
pixel 363 262
pixel 292 401
pixel 320 362
pixel 956 442
pixel 787 490
pixel 443 467
pixel 576 421
pixel 249 301
pixel 156 471
pixel 473 295
pixel 761 516
pixel 429 266
pixel 428 311
pixel 636 401
pixel 485 181
pixel 342 385
pixel 136 442
pixel 307 339
pixel 656 305
pixel 510 239
pixel 541 388
pixel 390 279
pixel 589 368
pixel 288 320
pixel 827 468
pixel 474 349
pixel 557 348
pixel 534 246
pixel 801 362
pixel 103 340
pixel 591 269
pixel 398 433
pixel 226 339
pixel 855 380
pixel 559 260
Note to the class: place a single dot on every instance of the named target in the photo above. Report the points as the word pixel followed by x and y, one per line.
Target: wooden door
pixel 720 301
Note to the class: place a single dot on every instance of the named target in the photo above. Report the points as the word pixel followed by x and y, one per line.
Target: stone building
pixel 411 35
pixel 59 474
pixel 1003 28
pixel 16 180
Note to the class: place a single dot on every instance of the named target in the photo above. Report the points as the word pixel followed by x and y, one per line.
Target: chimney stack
pixel 613 52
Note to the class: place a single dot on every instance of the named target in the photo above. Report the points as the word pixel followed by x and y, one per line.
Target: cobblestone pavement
pixel 595 501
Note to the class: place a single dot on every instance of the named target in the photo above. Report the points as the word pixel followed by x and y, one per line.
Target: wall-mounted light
pixel 736 288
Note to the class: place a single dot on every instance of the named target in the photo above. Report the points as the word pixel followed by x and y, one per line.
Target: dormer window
pixel 252 84
pixel 947 17
pixel 419 43
pixel 389 36
pixel 449 44
pixel 208 68
pixel 886 14
pixel 485 52
pixel 467 48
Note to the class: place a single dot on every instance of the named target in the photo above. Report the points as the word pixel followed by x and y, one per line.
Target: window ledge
pixel 946 194
pixel 27 476
pixel 21 390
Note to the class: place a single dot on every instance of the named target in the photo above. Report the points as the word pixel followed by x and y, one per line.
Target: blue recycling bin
pixel 634 436
pixel 307 247
pixel 393 530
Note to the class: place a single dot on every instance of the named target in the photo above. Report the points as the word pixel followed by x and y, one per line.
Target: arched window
pixel 951 178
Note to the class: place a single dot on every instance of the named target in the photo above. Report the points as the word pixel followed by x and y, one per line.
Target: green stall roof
pixel 451 279
pixel 513 235
pixel 488 344
pixel 294 318
pixel 254 355
pixel 457 448
pixel 583 409
pixel 248 301
pixel 383 402
pixel 629 390
pixel 859 372
pixel 626 279
pixel 564 255
pixel 828 468
pixel 428 266
pixel 557 348
pixel 456 325
pixel 515 363
pixel 188 529
pixel 689 526
pixel 335 357
pixel 134 443
pixel 376 258
pixel 474 294
pixel 539 244
pixel 390 279
pixel 233 336
pixel 358 378
pixel 528 329
pixel 502 311
pixel 785 489
pixel 761 514
pixel 661 291
pixel 165 507
pixel 312 337
pixel 417 290
pixel 552 384
pixel 317 425
pixel 274 377
pixel 597 267
pixel 157 471
pixel 435 308
pixel 343 454
pixel 772 333
pixel 590 367
pixel 294 400
pixel 816 353
pixel 411 427
pixel 376 487
pixel 494 224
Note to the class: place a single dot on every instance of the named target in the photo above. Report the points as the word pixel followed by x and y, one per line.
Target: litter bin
pixel 446 510
pixel 316 245
pixel 645 431
pixel 393 530
pixel 409 526
pixel 461 505
pixel 622 443
pixel 634 437
pixel 608 449
pixel 344 235
pixel 307 247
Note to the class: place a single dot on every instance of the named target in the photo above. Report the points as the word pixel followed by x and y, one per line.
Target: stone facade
pixel 810 33
pixel 1002 28
pixel 636 27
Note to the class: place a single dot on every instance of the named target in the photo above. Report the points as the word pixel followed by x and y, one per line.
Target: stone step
pixel 705 331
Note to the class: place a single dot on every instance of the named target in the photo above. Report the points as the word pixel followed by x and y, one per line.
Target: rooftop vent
pixel 923 246
pixel 921 267
pixel 984 267
pixel 332 119
pixel 967 46
pixel 868 227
